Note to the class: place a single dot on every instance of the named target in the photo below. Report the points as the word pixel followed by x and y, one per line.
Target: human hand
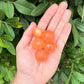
pixel 29 70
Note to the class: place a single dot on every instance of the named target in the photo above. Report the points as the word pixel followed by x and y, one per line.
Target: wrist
pixel 21 78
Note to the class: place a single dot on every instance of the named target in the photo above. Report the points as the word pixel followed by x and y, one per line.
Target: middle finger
pixel 55 20
pixel 44 21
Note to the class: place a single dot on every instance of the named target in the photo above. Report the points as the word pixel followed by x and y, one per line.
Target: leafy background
pixel 15 17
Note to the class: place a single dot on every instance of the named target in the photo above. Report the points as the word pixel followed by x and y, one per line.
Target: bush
pixel 15 17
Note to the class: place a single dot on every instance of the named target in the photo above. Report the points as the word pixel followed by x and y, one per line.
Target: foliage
pixel 15 17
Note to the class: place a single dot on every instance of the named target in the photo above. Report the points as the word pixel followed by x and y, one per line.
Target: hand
pixel 29 70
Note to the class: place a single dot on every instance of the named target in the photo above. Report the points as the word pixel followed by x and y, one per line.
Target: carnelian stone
pixel 38 43
pixel 37 32
pixel 47 35
pixel 41 55
pixel 49 46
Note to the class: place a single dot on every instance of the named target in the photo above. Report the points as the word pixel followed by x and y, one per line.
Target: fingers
pixel 55 20
pixel 44 21
pixel 54 58
pixel 27 36
pixel 65 18
pixel 63 37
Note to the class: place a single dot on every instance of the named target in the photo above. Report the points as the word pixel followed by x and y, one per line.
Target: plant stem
pixel 83 14
pixel 68 80
pixel 2 21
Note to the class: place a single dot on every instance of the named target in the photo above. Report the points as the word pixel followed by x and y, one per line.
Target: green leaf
pixel 1 81
pixel 81 39
pixel 69 77
pixel 10 47
pixel 7 64
pixel 2 70
pixel 9 9
pixel 83 14
pixel 2 44
pixel 24 7
pixel 6 74
pixel 25 22
pixel 72 11
pixel 78 2
pixel 17 25
pixel 75 35
pixel 81 67
pixel 1 49
pixel 40 9
pixel 2 14
pixel 2 4
pixel 76 21
pixel 9 31
pixel 79 76
pixel 37 20
pixel 56 79
pixel 33 1
pixel 79 25
pixel 9 76
pixel 40 0
pixel 66 71
pixel 62 58
pixel 63 76
pixel 80 10
pixel 12 20
pixel 6 37
pixel 1 75
pixel 1 28
pixel 29 18
pixel 74 80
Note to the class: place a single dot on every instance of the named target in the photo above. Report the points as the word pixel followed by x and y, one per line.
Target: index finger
pixel 44 21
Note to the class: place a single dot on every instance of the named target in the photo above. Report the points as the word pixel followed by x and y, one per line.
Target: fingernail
pixel 63 5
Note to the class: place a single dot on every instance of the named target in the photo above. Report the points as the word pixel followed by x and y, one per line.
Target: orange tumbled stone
pixel 37 32
pixel 38 43
pixel 41 55
pixel 47 35
pixel 49 46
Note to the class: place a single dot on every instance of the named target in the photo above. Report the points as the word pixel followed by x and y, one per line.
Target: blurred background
pixel 15 17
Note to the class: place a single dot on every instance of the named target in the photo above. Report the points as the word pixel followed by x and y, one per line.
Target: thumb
pixel 27 36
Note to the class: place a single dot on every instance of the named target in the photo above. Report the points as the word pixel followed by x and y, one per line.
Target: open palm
pixel 55 19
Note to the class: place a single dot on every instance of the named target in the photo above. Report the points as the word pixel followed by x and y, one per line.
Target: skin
pixel 29 70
